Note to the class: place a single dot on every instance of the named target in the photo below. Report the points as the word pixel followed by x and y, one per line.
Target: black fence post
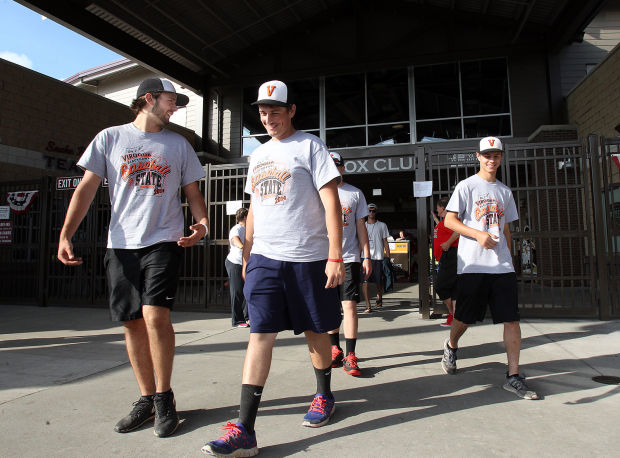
pixel 422 224
pixel 44 235
pixel 599 229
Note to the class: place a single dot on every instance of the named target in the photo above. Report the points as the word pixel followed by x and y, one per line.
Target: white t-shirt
pixel 144 172
pixel 354 207
pixel 284 179
pixel 236 254
pixel 377 232
pixel 486 206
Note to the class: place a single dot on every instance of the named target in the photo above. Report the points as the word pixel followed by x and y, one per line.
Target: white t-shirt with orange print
pixel 283 181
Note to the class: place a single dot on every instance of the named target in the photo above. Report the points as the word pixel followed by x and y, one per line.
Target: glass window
pixel 345 138
pixel 484 127
pixel 388 96
pixel 485 87
pixel 437 92
pixel 251 119
pixel 447 129
pixel 344 101
pixel 305 95
pixel 388 135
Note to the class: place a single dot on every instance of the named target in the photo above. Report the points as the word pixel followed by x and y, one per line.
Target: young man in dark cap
pixel 481 209
pixel 354 242
pixel 145 165
pixel 293 262
pixel 379 249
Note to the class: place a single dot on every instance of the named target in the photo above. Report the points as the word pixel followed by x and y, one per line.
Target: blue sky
pixel 46 46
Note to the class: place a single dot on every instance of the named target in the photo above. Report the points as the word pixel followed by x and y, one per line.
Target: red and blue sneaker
pixel 321 410
pixel 337 356
pixel 235 442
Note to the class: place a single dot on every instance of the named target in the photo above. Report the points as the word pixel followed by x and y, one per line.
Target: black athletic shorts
pixel 143 276
pixel 477 291
pixel 446 275
pixel 350 288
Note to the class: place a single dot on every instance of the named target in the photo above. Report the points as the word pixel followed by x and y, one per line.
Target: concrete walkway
pixel 65 381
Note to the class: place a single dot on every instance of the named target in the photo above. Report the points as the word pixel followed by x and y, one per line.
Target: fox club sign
pixel 380 165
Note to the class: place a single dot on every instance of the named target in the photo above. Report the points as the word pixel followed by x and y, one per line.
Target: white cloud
pixel 19 59
pixel 43 18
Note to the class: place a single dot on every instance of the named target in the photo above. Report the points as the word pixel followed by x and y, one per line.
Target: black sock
pixel 335 339
pixel 169 392
pixel 513 375
pixel 250 398
pixel 350 345
pixel 323 380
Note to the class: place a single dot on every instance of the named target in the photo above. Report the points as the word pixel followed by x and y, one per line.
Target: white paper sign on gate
pixel 422 188
pixel 232 206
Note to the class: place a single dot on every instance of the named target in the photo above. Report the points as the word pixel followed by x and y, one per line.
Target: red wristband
pixel 335 260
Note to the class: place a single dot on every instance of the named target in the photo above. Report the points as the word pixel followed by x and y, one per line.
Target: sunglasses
pixel 372 211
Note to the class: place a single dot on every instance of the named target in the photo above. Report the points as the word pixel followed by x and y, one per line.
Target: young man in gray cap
pixel 292 257
pixel 354 241
pixel 145 165
pixel 481 209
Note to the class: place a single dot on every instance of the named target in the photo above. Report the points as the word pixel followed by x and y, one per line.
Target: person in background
pixel 379 248
pixel 354 240
pixel 445 249
pixel 234 265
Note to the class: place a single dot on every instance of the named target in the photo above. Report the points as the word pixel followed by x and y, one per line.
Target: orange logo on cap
pixel 491 140
pixel 270 90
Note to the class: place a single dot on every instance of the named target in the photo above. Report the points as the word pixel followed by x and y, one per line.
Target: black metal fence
pixel 566 243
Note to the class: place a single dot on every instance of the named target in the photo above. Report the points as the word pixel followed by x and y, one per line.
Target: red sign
pixel 6 232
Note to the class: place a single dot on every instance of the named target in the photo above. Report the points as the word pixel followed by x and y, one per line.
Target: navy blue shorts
pixel 285 295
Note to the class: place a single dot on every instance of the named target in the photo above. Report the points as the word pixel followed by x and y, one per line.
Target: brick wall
pixel 594 104
pixel 44 115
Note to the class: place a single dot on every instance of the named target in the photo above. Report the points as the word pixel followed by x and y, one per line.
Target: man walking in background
pixel 354 241
pixel 379 248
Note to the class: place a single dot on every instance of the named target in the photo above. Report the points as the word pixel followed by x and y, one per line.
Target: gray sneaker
pixel 448 362
pixel 516 384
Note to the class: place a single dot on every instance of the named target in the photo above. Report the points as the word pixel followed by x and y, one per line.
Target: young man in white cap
pixel 481 209
pixel 379 248
pixel 293 263
pixel 145 165
pixel 354 241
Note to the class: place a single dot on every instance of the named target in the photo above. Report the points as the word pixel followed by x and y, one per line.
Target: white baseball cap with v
pixel 490 145
pixel 273 93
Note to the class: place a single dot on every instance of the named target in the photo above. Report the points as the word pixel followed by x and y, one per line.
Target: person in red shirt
pixel 445 251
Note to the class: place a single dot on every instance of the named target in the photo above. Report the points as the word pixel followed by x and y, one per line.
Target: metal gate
pixel 553 242
pixel 31 274
pixel 566 243
pixel 21 257
pixel 608 233
pixel 226 184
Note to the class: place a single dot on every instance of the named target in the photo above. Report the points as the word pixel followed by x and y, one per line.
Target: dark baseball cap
pixel 161 85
